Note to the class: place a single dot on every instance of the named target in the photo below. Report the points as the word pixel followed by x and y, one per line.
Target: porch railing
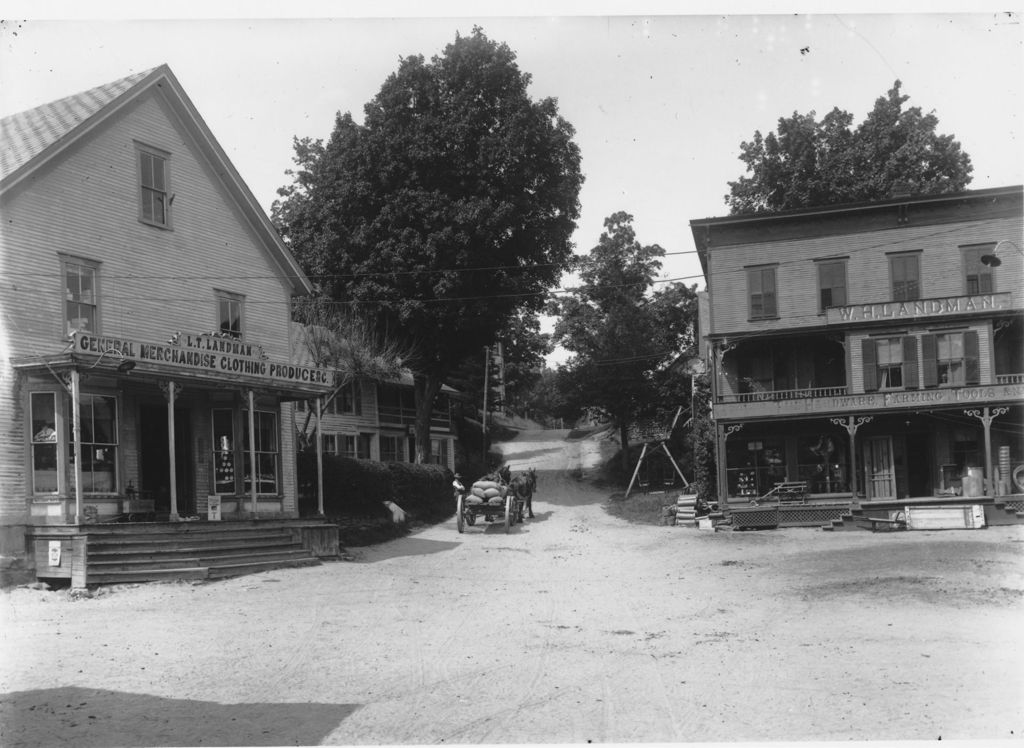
pixel 1009 378
pixel 776 395
pixel 398 416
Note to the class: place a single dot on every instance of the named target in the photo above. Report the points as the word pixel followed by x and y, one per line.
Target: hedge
pixel 360 487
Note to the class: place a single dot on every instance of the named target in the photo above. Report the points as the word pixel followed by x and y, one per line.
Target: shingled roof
pixel 29 139
pixel 25 135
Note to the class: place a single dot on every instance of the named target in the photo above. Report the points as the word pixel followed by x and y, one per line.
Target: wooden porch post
pixel 253 472
pixel 851 425
pixel 76 438
pixel 986 418
pixel 170 393
pixel 319 459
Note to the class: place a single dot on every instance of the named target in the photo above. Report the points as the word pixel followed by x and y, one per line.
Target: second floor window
pixel 951 359
pixel 80 302
pixel 349 399
pixel 229 313
pixel 890 363
pixel 831 285
pixel 761 287
pixel 906 277
pixel 978 277
pixel 153 178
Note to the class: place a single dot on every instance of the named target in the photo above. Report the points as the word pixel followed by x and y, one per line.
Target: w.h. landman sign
pixel 901 310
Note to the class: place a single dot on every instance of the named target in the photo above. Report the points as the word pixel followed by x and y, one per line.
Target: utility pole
pixel 483 429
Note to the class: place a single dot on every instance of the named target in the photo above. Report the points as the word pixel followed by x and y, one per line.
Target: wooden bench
pixel 897 523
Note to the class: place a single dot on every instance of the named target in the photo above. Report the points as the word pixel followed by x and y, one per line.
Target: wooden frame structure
pixel 652 435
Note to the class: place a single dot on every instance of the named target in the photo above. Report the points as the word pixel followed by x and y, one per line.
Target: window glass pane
pixel 99 443
pixel 147 205
pixel 223 452
pixel 146 161
pixel 158 173
pixel 158 209
pixel 44 442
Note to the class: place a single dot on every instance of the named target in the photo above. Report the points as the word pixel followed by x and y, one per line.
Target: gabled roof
pixel 33 138
pixel 25 135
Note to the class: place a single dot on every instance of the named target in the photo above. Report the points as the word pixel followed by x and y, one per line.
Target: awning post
pixel 319 459
pixel 253 471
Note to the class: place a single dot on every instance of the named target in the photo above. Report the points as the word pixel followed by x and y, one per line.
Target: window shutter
pixel 357 398
pixel 972 370
pixel 929 365
pixel 910 362
pixel 870 354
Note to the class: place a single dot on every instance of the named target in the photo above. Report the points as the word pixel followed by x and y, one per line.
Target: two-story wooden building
pixel 146 347
pixel 869 351
pixel 371 420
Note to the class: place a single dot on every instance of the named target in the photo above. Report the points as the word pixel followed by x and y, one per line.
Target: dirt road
pixel 574 627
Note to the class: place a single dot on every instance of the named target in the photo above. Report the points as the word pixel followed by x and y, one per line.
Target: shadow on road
pixel 78 716
pixel 408 546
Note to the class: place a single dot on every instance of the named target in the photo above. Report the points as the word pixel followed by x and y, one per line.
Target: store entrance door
pixel 881 476
pixel 155 461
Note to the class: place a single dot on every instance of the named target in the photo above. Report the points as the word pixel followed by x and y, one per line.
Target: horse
pixel 524 485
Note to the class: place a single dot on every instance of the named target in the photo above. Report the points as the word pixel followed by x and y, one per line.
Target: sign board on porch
pixel 962 517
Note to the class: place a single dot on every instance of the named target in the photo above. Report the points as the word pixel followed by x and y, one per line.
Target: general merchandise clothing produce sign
pixel 204 354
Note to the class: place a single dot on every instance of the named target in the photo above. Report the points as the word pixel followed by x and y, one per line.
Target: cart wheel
pixel 459 513
pixel 508 514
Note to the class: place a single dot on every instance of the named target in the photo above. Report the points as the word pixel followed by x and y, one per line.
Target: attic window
pixel 154 202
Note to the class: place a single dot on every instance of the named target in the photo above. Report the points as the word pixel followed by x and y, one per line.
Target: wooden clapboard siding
pixel 147 279
pixel 152 282
pixel 867 269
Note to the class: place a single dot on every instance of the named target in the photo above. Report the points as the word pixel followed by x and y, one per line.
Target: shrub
pixel 425 491
pixel 359 488
pixel 352 488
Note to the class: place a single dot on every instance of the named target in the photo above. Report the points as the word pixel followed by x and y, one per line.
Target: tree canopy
pixel 446 213
pixel 624 335
pixel 808 163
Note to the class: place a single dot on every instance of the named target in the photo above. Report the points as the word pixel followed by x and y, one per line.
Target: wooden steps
pixel 152 553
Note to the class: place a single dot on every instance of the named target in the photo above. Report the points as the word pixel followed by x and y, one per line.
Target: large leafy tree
pixel 446 213
pixel 807 163
pixel 624 334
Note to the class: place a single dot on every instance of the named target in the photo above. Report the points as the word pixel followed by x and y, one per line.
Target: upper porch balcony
pixel 806 375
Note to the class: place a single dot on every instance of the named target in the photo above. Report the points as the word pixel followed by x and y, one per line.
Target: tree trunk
pixel 426 387
pixel 624 440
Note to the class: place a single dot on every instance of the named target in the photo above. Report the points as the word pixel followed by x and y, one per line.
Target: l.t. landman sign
pixel 205 354
pixel 901 310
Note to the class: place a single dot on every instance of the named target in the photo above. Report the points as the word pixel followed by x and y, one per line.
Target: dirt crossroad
pixel 573 627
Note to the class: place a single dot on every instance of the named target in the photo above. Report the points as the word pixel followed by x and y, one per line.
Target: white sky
pixel 660 102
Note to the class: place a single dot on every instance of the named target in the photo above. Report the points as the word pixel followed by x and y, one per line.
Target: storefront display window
pixel 98 418
pixel 44 443
pixel 266 452
pixel 821 462
pixel 223 452
pixel 755 466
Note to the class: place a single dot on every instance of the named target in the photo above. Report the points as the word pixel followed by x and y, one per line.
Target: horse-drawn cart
pixel 493 499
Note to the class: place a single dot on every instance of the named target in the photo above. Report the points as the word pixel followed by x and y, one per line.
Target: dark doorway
pixel 918 465
pixel 154 459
